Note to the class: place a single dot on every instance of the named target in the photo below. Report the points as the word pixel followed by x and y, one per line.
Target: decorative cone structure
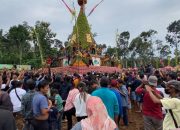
pixel 81 42
pixel 81 50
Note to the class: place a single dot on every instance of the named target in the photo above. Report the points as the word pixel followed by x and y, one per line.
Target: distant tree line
pixel 147 49
pixel 32 45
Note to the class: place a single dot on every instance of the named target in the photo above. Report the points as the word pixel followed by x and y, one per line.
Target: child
pixel 59 105
pixel 53 116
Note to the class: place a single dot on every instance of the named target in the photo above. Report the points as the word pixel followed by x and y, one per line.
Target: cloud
pixel 134 16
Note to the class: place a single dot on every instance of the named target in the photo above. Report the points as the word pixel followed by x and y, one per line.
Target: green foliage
pixel 16 45
pixel 142 45
pixel 173 37
pixel 80 29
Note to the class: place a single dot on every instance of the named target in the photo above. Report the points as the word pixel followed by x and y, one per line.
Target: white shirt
pixel 162 90
pixel 3 86
pixel 14 99
pixel 80 105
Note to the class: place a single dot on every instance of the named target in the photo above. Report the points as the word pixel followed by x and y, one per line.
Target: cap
pixel 113 83
pixel 174 83
pixel 153 81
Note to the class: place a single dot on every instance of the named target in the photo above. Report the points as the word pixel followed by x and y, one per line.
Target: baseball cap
pixel 113 83
pixel 174 83
pixel 152 80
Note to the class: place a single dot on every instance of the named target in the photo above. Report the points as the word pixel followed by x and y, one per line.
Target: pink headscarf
pixel 98 118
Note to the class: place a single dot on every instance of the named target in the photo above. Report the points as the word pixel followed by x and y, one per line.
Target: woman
pixel 69 106
pixel 98 118
pixel 80 101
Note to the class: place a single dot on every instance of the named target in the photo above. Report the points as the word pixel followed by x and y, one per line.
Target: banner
pixel 2 66
pixel 65 62
pixel 96 61
pixel 19 67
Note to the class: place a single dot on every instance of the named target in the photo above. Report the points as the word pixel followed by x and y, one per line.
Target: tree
pixel 111 51
pixel 123 45
pixel 142 46
pixel 18 37
pixel 43 39
pixel 173 37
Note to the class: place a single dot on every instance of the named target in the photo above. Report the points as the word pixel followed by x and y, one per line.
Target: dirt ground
pixel 136 122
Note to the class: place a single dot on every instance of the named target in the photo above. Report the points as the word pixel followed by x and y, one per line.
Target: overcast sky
pixel 134 16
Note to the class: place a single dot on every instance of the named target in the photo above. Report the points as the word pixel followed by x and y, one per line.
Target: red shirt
pixel 149 107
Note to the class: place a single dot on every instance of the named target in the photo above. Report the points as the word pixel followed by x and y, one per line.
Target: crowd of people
pixel 99 101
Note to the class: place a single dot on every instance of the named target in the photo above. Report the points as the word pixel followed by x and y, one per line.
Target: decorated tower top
pixel 82 2
pixel 81 35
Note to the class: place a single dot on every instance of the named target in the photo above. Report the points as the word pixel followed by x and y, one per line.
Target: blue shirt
pixel 109 99
pixel 39 102
pixel 124 98
pixel 118 96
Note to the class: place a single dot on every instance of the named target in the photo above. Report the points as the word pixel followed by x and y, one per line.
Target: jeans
pixel 59 120
pixel 125 116
pixel 69 115
pixel 40 125
pixel 28 125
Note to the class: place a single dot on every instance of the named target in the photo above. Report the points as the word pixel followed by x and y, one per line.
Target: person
pixel 93 86
pixel 134 97
pixel 14 78
pixel 59 104
pixel 26 104
pixel 124 97
pixel 53 119
pixel 172 104
pixel 171 76
pixel 5 100
pixel 41 107
pixel 152 112
pixel 98 118
pixel 110 101
pixel 69 106
pixel 80 101
pixel 16 95
pixel 115 90
pixel 7 121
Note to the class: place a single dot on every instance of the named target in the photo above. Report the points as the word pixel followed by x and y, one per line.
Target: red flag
pixel 95 7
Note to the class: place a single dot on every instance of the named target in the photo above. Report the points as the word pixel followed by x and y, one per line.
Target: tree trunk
pixel 20 54
pixel 176 54
pixel 40 48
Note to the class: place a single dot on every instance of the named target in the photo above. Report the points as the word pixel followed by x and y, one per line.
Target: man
pixel 16 95
pixel 114 89
pixel 152 112
pixel 7 121
pixel 172 105
pixel 171 76
pixel 26 103
pixel 125 102
pixel 109 98
pixel 93 86
pixel 40 107
pixel 5 100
